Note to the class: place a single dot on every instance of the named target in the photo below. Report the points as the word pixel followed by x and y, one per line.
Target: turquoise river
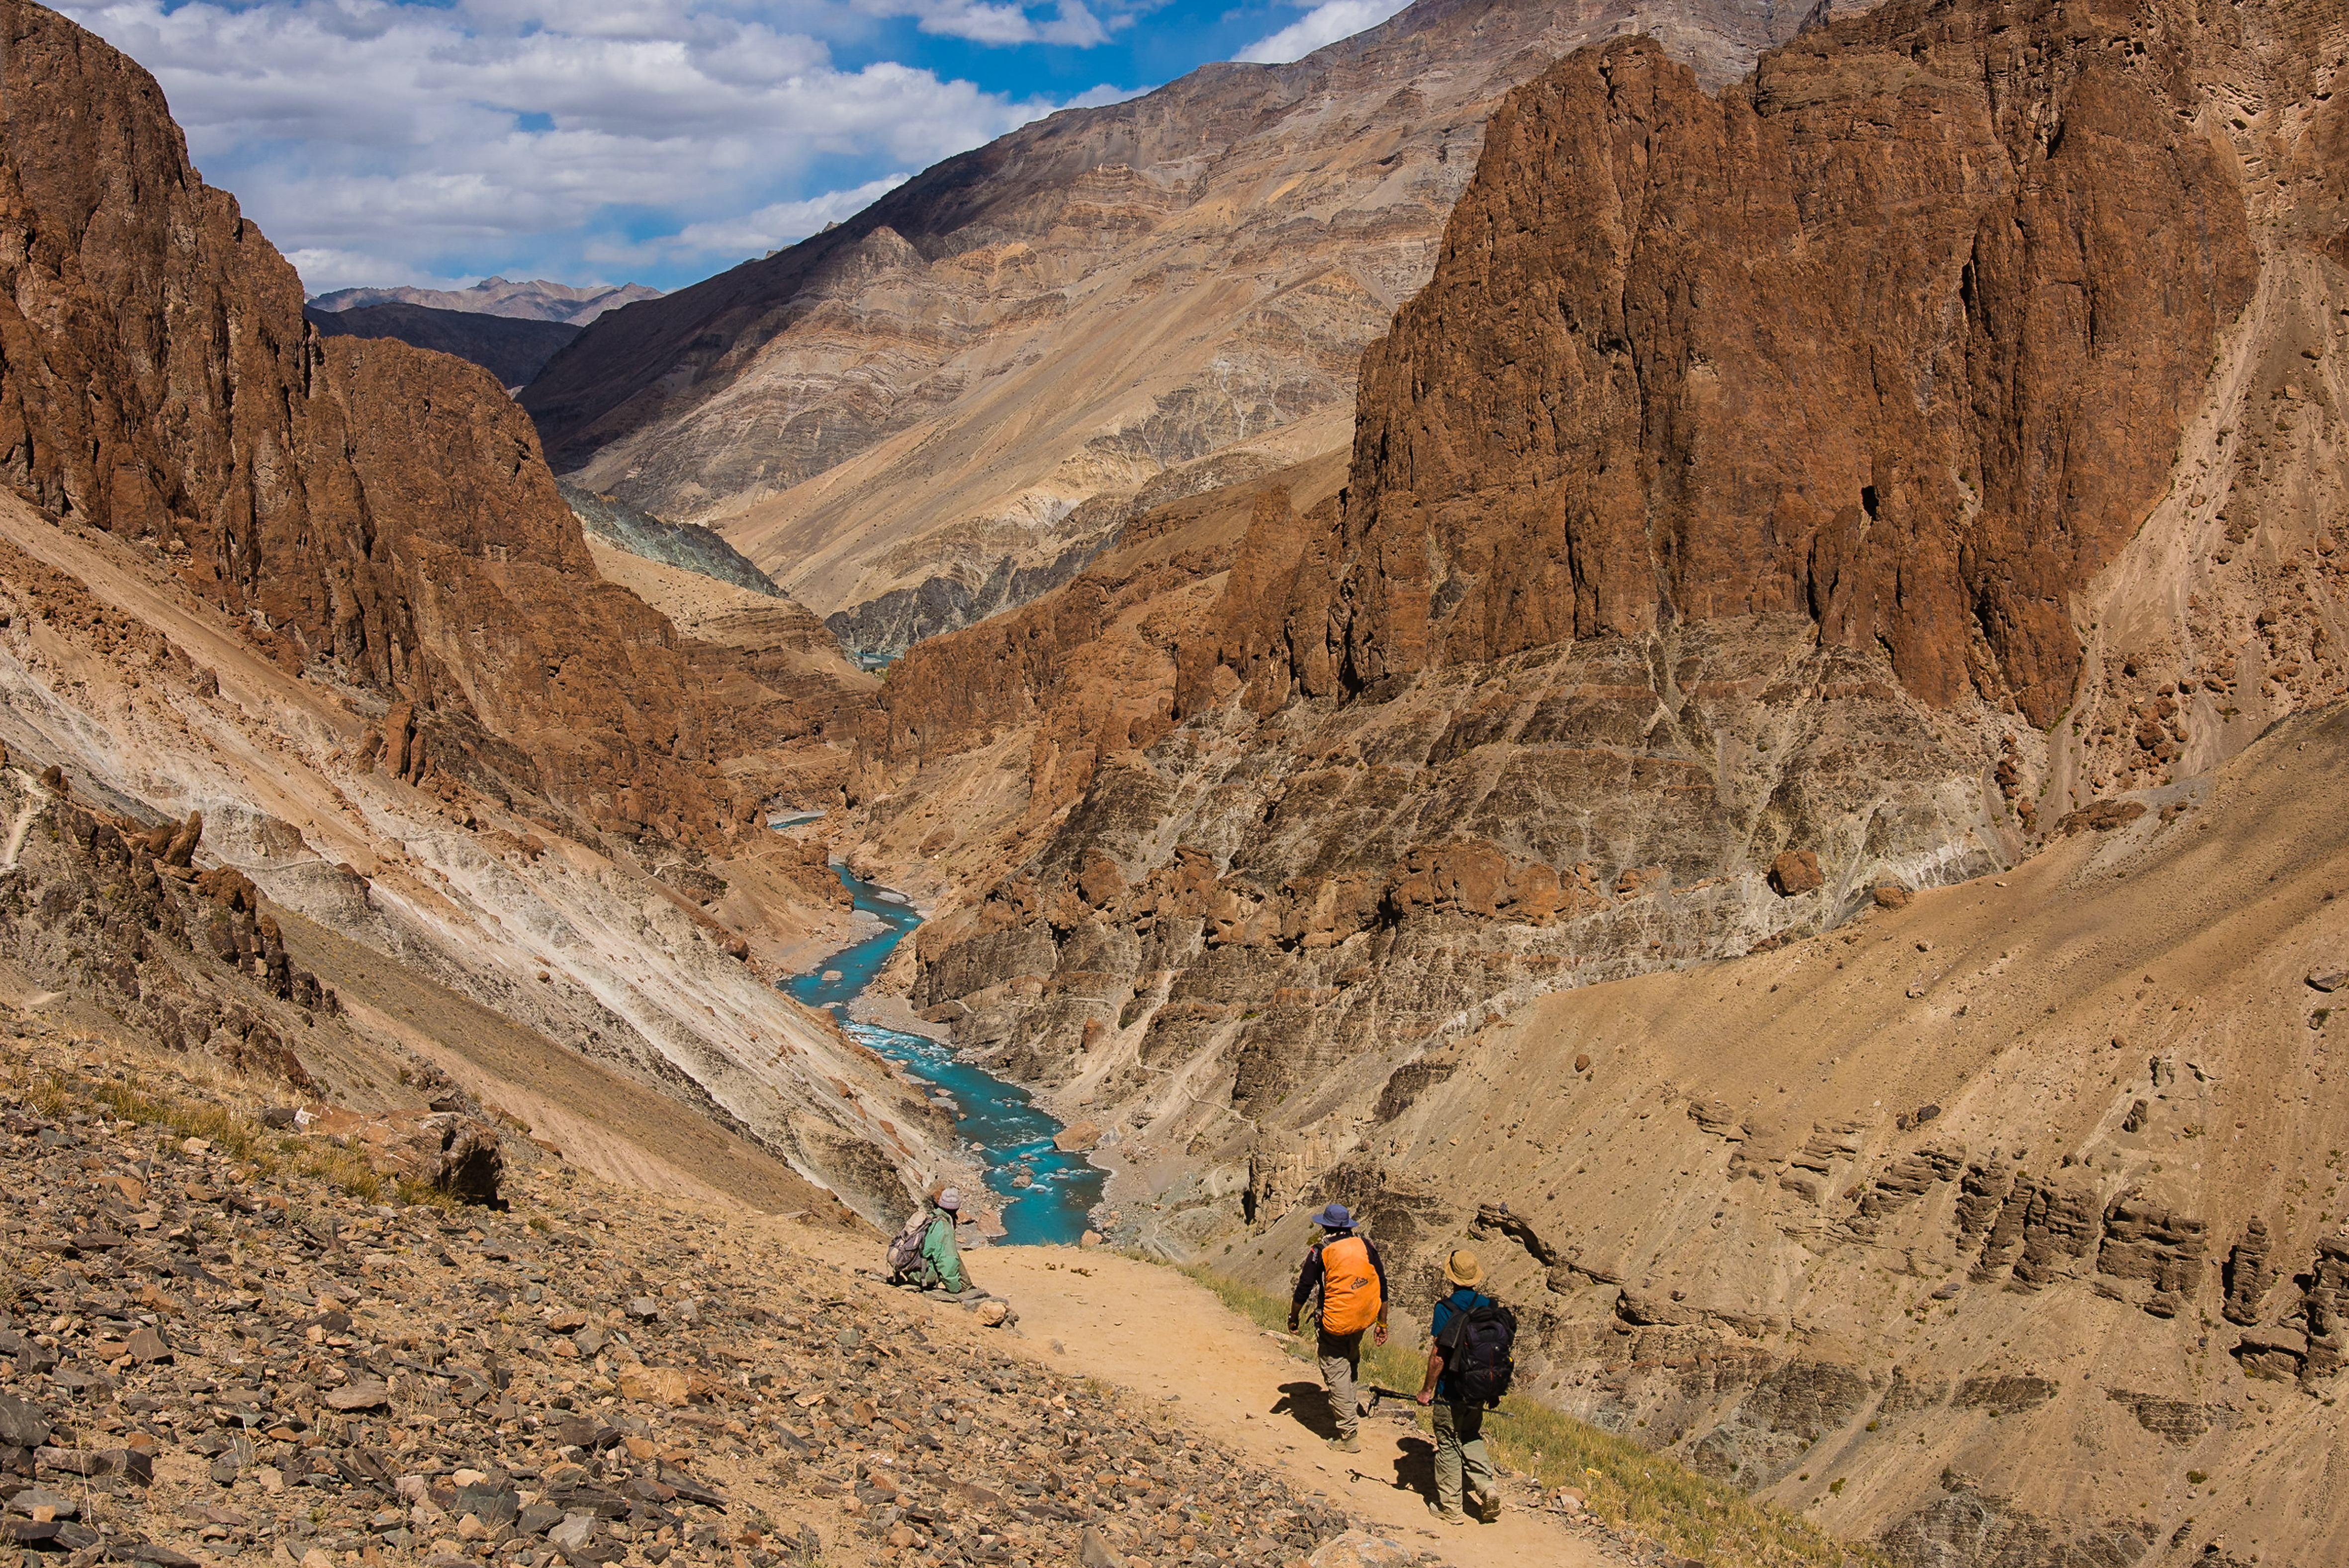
pixel 998 1120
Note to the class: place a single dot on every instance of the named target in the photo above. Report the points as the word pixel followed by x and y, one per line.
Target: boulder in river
pixel 1077 1138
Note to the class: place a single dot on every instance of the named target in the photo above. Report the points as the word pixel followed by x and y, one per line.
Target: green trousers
pixel 1460 1446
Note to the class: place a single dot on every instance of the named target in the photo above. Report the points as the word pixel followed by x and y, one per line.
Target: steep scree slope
pixel 324 593
pixel 929 389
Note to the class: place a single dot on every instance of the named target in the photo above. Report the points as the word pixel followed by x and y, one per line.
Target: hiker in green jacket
pixel 940 1265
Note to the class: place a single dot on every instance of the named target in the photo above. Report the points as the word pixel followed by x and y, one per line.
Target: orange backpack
pixel 1349 1286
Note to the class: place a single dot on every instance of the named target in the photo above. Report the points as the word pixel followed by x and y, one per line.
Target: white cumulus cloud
pixel 982 22
pixel 780 224
pixel 379 142
pixel 1325 24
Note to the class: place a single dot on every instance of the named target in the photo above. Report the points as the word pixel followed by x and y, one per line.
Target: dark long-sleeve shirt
pixel 1309 1278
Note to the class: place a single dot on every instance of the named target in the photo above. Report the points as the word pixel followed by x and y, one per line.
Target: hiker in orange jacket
pixel 1345 1268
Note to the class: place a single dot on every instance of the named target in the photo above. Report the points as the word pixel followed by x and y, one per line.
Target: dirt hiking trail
pixel 1159 1334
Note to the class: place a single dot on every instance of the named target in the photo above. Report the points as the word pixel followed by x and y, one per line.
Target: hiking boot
pixel 1488 1503
pixel 1452 1516
pixel 1347 1445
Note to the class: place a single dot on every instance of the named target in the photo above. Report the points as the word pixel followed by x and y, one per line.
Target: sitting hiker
pixel 924 1254
pixel 1468 1368
pixel 1345 1268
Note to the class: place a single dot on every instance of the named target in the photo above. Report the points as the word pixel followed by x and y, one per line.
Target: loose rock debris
pixel 207 1356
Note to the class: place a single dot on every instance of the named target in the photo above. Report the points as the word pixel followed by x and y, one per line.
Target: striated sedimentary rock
pixel 960 386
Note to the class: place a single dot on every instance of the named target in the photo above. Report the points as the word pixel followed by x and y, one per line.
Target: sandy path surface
pixel 1152 1330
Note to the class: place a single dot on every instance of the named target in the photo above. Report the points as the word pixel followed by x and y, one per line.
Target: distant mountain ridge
pixel 511 348
pixel 533 300
pixel 885 414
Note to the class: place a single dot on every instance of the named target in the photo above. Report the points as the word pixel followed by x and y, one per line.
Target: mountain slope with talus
pixel 316 604
pixel 988 365
pixel 1788 511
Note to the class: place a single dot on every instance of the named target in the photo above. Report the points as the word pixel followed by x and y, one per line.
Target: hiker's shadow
pixel 1415 1468
pixel 1309 1404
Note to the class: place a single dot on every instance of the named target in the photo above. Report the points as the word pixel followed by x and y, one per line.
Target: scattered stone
pixel 1090 1239
pixel 1077 1138
pixel 1582 1062
pixel 2328 978
pixel 369 1395
pixel 1796 872
pixel 660 1385
pixel 1890 895
pixel 451 1386
pixel 22 1424
pixel 1361 1549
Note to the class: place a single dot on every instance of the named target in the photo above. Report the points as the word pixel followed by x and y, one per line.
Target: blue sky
pixel 389 142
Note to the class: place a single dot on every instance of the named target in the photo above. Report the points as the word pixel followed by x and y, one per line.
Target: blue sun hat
pixel 1335 1217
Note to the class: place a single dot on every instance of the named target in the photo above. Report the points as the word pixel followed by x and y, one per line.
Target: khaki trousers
pixel 1460 1445
pixel 1340 1355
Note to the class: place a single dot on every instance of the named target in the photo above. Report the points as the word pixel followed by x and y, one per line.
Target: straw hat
pixel 1462 1269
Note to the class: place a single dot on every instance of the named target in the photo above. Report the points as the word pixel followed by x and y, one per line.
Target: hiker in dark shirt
pixel 1345 1268
pixel 1459 1422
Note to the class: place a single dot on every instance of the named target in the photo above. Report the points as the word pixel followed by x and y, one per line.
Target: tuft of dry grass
pixel 269 1153
pixel 1624 1484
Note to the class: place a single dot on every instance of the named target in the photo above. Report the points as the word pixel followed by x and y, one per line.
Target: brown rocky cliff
pixel 1918 378
pixel 934 400
pixel 370 509
pixel 1744 527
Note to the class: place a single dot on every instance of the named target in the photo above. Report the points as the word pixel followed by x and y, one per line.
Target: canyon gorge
pixel 1697 646
pixel 1714 584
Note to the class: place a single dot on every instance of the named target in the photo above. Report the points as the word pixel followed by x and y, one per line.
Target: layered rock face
pixel 1918 382
pixel 1785 501
pixel 924 395
pixel 324 593
pixel 424 555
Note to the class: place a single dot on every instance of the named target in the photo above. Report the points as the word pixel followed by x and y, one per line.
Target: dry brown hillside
pixel 889 414
pixel 1722 563
pixel 2005 1227
pixel 323 595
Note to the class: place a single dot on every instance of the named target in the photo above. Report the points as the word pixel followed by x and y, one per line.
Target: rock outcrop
pixel 927 392
pixel 1786 503
pixel 370 509
pixel 1925 435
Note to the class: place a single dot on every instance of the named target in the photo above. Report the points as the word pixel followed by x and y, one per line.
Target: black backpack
pixel 1476 1342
